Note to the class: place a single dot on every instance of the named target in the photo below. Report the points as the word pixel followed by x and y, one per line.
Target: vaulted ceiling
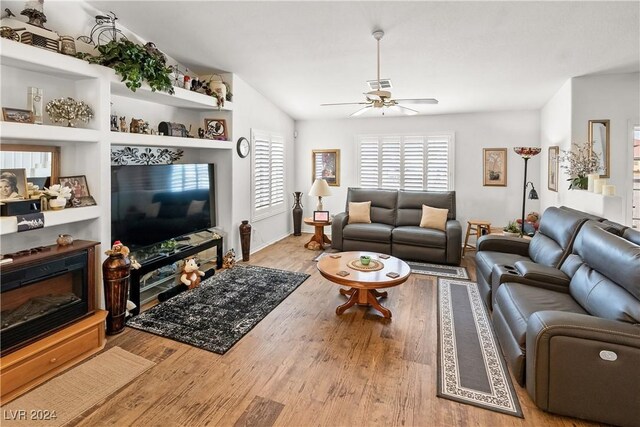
pixel 472 56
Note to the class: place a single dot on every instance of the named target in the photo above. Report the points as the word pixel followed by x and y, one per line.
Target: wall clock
pixel 243 147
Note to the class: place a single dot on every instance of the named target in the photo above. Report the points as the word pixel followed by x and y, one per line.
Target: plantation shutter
pixel 406 162
pixel 437 165
pixel 268 174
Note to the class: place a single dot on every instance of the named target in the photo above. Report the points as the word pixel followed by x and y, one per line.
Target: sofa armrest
pixel 454 241
pixel 543 274
pixel 511 245
pixel 338 223
pixel 584 366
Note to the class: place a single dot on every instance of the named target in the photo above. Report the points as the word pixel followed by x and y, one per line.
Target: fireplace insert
pixel 42 292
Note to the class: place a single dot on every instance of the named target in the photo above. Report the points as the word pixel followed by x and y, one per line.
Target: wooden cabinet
pixel 30 366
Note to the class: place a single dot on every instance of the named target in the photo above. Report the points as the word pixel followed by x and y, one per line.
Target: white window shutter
pixel 437 164
pixel 369 163
pixel 390 159
pixel 268 180
pixel 414 162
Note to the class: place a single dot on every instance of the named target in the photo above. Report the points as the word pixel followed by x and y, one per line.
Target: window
pixel 267 181
pixel 406 162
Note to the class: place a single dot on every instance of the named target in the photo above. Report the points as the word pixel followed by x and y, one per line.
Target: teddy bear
pixel 229 259
pixel 191 275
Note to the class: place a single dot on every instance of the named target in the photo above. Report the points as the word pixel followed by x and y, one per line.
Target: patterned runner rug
pixel 223 309
pixel 471 368
pixel 440 270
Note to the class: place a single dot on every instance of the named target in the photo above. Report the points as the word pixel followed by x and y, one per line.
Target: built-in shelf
pixel 610 207
pixel 9 224
pixel 125 138
pixel 20 55
pixel 181 98
pixel 24 132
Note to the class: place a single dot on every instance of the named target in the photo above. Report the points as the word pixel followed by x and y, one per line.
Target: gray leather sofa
pixel 394 228
pixel 528 261
pixel 577 348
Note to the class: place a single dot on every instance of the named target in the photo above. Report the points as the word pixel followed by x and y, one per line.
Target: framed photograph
pixel 326 164
pixel 494 167
pixel 600 145
pixel 13 184
pixel 553 165
pixel 321 216
pixel 215 129
pixel 81 202
pixel 17 115
pixel 78 185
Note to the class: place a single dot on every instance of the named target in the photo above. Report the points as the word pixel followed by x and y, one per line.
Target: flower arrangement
pixel 56 191
pixel 579 162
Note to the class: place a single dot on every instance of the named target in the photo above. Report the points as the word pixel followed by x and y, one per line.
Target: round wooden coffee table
pixel 363 284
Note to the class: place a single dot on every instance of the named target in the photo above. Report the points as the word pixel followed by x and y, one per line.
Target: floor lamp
pixel 526 153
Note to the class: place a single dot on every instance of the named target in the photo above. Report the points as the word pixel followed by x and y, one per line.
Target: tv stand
pixel 150 262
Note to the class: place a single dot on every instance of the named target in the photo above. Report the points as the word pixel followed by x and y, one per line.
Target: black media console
pixel 150 262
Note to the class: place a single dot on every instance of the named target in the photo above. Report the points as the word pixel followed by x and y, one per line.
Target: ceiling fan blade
pixel 405 110
pixel 345 103
pixel 360 111
pixel 372 96
pixel 418 101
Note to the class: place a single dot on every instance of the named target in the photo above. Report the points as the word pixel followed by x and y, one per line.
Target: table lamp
pixel 526 153
pixel 320 189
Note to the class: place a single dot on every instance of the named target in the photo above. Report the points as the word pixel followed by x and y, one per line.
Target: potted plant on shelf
pixel 135 64
pixel 579 162
pixel 511 230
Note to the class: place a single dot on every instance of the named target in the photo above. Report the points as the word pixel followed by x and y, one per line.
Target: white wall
pixel 555 129
pixel 254 111
pixel 614 97
pixel 565 118
pixel 473 132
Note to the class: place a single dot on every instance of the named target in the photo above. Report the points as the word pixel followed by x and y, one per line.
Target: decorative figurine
pixel 34 10
pixel 145 128
pixel 114 123
pixel 118 248
pixel 104 31
pixel 191 275
pixel 229 259
pixel 123 125
pixel 69 110
pixel 136 125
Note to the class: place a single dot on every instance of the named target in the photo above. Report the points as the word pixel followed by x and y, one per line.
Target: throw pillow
pixel 434 218
pixel 360 212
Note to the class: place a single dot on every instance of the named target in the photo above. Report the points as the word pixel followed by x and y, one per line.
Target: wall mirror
pixel 600 144
pixel 41 162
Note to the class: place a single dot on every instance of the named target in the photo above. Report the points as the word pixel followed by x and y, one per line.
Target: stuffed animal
pixel 118 248
pixel 191 275
pixel 229 259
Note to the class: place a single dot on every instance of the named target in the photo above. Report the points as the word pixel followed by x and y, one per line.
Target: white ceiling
pixel 472 56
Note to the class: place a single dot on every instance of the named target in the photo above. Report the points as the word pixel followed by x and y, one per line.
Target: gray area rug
pixel 440 270
pixel 223 309
pixel 471 368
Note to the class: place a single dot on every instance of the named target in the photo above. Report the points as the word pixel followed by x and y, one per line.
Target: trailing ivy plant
pixel 135 64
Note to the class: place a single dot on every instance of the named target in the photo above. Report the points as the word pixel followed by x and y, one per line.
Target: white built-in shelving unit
pixel 85 150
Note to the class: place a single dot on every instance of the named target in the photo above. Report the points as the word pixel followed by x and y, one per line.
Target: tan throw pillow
pixel 434 218
pixel 360 212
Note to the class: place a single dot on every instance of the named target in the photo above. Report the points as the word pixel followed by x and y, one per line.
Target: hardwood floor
pixel 304 366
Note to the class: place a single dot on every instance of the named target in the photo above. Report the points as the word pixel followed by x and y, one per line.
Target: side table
pixel 479 226
pixel 319 237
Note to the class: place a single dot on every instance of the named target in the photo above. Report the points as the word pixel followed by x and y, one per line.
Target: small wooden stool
pixel 477 226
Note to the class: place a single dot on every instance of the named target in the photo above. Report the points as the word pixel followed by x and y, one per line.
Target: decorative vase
pixel 64 239
pixel 116 271
pixel 297 213
pixel 245 239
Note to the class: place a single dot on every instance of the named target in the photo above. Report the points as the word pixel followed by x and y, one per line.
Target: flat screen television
pixel 151 204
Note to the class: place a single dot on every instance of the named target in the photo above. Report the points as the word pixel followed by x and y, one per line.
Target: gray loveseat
pixel 394 228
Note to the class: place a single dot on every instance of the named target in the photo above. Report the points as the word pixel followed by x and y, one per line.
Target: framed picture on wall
pixel 494 167
pixel 552 171
pixel 326 164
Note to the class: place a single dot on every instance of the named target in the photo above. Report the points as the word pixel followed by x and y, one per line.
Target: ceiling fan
pixel 382 98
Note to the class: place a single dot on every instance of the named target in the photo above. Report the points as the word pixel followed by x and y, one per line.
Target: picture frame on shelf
pixel 321 216
pixel 215 129
pixel 83 201
pixel 77 184
pixel 17 115
pixel 325 164
pixel 553 163
pixel 494 167
pixel 13 184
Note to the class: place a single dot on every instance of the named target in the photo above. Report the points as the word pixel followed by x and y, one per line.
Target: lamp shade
pixel 320 188
pixel 527 152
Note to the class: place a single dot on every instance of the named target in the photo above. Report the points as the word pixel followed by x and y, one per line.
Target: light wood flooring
pixel 304 366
